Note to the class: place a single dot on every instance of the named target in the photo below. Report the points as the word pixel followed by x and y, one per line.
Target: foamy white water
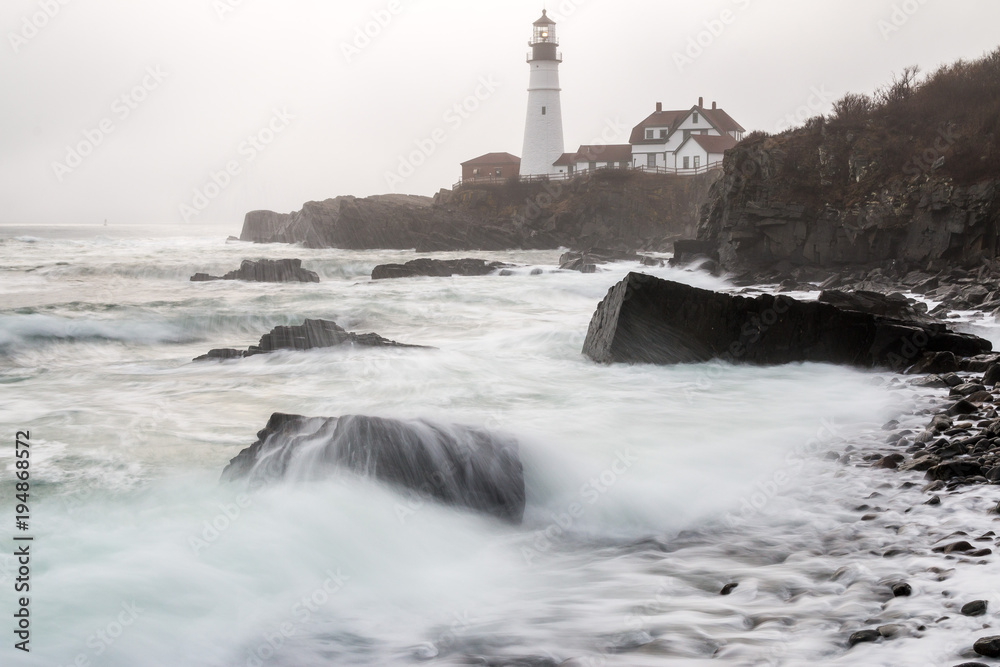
pixel 649 488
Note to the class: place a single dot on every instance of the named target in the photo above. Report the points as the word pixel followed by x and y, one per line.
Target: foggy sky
pixel 271 103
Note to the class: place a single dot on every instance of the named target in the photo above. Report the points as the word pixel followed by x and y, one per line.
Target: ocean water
pixel 648 488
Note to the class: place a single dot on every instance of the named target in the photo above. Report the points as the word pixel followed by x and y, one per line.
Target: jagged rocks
pixel 437 268
pixel 588 260
pixel 644 319
pixel 311 334
pixel 456 465
pixel 266 271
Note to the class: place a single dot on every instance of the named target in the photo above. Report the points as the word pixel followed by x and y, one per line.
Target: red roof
pixel 565 160
pixel 668 119
pixel 596 153
pixel 718 118
pixel 604 153
pixel 494 158
pixel 715 145
pixel 722 121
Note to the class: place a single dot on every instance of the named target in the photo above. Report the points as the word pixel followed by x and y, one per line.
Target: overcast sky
pixel 127 109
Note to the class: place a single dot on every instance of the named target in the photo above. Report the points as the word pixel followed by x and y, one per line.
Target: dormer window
pixel 663 134
pixel 649 134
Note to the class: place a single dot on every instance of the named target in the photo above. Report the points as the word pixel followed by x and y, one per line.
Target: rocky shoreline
pixel 957 451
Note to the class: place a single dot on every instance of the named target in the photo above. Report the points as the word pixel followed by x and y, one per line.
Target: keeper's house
pixel 491 167
pixel 684 139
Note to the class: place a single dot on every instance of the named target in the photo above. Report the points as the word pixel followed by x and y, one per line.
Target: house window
pixel 499 172
pixel 623 165
pixel 649 134
pixel 663 134
pixel 695 117
pixel 697 161
pixel 687 163
pixel 651 160
pixel 475 172
pixel 592 166
pixel 687 134
pixel 543 111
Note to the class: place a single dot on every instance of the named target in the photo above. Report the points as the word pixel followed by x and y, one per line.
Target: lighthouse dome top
pixel 544 31
pixel 545 20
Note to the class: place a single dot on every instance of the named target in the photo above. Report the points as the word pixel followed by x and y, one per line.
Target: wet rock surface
pixel 988 646
pixel 438 268
pixel 309 335
pixel 587 261
pixel 266 271
pixel 456 465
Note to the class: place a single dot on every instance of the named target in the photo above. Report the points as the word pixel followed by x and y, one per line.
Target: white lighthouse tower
pixel 543 130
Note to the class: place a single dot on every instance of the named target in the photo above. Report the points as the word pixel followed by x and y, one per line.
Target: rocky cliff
pixel 905 179
pixel 621 210
pixel 794 200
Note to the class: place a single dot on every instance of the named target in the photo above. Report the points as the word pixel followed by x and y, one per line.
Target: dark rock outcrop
pixel 618 209
pixel 266 271
pixel 587 261
pixel 311 334
pixel 438 268
pixel 456 465
pixel 822 197
pixel 644 319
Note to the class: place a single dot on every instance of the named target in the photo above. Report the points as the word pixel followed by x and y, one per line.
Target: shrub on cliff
pixel 948 121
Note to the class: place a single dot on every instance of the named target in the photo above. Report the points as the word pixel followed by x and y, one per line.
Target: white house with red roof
pixel 685 139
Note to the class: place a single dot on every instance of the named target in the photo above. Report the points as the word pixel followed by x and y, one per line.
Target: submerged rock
pixel 442 268
pixel 644 319
pixel 310 335
pixel 457 465
pixel 902 590
pixel 862 636
pixel 266 271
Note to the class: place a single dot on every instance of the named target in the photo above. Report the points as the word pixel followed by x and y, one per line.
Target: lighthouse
pixel 543 130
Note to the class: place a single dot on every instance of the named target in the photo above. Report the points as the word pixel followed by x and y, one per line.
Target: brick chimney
pixel 659 106
pixel 701 101
pixel 714 107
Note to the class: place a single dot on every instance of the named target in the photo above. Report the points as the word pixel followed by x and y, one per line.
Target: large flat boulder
pixel 456 465
pixel 309 335
pixel 644 319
